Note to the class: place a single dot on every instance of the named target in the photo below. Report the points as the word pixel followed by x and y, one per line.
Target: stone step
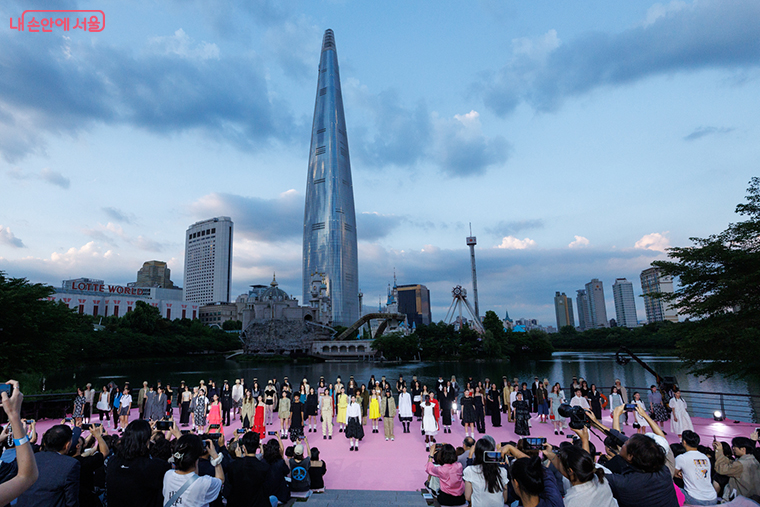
pixel 350 498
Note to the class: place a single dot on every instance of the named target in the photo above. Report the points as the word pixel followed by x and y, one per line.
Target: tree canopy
pixel 719 291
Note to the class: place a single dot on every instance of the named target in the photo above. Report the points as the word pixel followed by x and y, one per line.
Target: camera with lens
pixel 577 416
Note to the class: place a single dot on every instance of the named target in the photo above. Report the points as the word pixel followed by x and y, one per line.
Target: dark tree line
pixel 37 335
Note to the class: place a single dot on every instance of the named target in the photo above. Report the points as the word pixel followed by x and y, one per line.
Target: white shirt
pixel 126 400
pixel 405 405
pixel 237 392
pixel 354 410
pixel 203 491
pixel 696 475
pixel 589 493
pixel 480 495
pixel 579 401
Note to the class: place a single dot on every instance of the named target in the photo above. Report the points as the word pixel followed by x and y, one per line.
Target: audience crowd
pixel 98 457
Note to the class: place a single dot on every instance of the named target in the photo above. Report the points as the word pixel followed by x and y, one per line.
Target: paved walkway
pixel 349 497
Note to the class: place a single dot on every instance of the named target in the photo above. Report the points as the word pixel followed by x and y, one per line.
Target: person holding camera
pixel 646 478
pixel 576 464
pixel 183 485
pixel 442 463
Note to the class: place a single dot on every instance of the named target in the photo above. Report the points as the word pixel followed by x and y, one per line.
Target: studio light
pixel 454 406
pixel 718 415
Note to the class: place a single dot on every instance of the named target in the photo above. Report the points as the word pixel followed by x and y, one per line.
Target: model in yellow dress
pixel 342 407
pixel 374 411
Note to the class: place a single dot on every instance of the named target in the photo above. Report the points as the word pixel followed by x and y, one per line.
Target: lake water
pixel 596 367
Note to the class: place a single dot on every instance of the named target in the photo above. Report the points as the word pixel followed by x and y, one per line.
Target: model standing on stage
pixel 374 411
pixel 283 413
pixel 354 430
pixel 429 422
pixel 405 413
pixel 342 407
pixel 310 410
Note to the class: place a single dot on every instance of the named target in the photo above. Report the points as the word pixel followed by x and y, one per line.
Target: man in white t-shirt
pixel 694 467
pixel 579 401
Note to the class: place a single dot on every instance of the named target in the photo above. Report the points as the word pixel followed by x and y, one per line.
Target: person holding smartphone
pixel 485 483
pixel 442 463
pixel 27 465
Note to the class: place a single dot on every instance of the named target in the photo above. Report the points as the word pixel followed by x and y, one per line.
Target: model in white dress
pixel 679 418
pixel 429 424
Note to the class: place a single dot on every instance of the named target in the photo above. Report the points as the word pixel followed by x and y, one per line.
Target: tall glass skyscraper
pixel 329 225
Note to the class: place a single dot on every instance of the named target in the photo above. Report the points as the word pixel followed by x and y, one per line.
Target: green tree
pixel 232 325
pixel 720 287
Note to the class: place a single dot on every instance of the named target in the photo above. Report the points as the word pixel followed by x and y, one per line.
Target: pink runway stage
pixel 399 465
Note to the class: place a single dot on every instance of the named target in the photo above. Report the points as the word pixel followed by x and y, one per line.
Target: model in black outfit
pixel 296 418
pixel 480 411
pixel 226 399
pixel 595 400
pixel 494 403
pixel 446 399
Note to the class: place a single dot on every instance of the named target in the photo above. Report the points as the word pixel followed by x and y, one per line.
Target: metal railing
pixel 736 407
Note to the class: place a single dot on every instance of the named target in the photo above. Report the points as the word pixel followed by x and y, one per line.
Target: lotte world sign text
pixel 113 289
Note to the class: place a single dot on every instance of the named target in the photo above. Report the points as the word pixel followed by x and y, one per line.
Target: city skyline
pixel 580 140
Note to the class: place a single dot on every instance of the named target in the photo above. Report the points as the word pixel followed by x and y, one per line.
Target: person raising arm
pixel 27 466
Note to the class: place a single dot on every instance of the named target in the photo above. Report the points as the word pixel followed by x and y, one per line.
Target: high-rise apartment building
pixel 154 274
pixel 652 281
pixel 584 314
pixel 625 303
pixel 563 310
pixel 208 261
pixel 414 301
pixel 329 225
pixel 597 306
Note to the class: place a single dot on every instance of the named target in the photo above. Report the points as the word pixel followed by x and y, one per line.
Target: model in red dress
pixel 258 419
pixel 215 414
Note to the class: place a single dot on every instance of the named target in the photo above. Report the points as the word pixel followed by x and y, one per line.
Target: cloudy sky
pixel 580 139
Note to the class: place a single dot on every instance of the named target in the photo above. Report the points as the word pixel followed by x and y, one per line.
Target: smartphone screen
pixel 272 433
pixel 164 425
pixel 492 457
pixel 630 407
pixel 213 427
pixel 6 388
pixel 241 430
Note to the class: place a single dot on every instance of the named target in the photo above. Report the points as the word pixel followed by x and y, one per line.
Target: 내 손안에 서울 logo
pixel 64 20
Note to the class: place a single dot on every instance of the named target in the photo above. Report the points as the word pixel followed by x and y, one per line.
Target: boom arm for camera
pixel 664 384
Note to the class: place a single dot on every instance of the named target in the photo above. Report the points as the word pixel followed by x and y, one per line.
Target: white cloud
pixel 512 243
pixel 656 241
pixel 181 44
pixel 579 242
pixel 8 238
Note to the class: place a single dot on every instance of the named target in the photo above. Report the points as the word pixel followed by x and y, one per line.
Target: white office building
pixel 652 281
pixel 596 304
pixel 208 261
pixel 625 303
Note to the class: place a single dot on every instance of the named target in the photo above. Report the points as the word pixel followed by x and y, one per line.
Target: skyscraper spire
pixel 329 229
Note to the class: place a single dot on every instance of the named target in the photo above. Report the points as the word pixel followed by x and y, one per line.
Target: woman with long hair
pixel 187 396
pixel 446 401
pixel 78 413
pixel 640 423
pixel 364 394
pixel 374 410
pixel 199 415
pixel 269 398
pixel 595 397
pixel 680 420
pixel 104 404
pixel 215 412
pixel 342 404
pixel 578 467
pixel 485 483
pixel 615 401
pixel 188 450
pixel 248 409
pixel 512 400
pixel 534 485
pixel 522 415
pixel 555 400
pixel 278 469
pixel 494 402
pixel 258 418
pixel 480 409
pixel 131 466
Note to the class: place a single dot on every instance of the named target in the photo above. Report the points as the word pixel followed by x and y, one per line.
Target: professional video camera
pixel 577 416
